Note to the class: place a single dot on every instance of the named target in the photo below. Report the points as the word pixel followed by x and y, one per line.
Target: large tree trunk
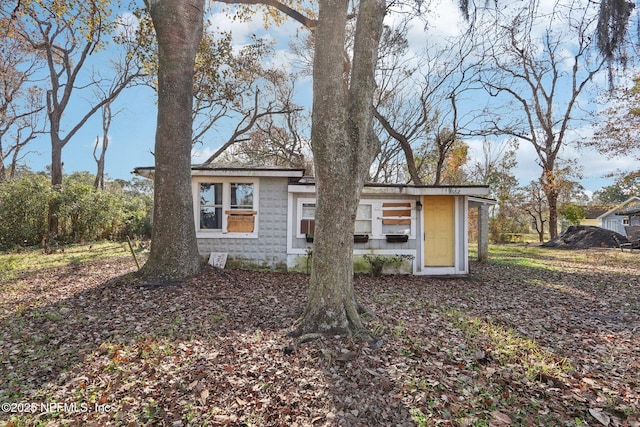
pixel 174 252
pixel 343 147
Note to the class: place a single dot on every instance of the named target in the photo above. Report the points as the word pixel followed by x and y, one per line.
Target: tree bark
pixel 174 253
pixel 343 147
pixel 107 116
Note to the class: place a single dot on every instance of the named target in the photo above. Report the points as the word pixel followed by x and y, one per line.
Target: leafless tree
pixel 256 120
pixel 276 140
pixel 537 77
pixel 418 101
pixel 535 206
pixel 103 145
pixel 20 100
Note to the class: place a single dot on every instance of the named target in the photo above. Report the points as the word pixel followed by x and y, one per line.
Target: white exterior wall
pixel 378 245
pixel 276 241
pixel 269 248
pixel 298 246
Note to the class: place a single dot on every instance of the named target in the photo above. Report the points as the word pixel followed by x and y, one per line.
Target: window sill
pixel 224 235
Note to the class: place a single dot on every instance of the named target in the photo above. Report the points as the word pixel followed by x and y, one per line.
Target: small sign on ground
pixel 218 259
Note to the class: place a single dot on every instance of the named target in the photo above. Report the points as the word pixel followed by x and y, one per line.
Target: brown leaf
pixel 204 394
pixel 602 418
pixel 346 356
pixel 500 419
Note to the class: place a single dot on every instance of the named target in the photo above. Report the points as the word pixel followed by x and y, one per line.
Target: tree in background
pixel 65 35
pixel 530 71
pixel 620 191
pixel 573 213
pixel 103 145
pixel 534 204
pixel 277 141
pixel 20 99
pixel 85 214
pixel 613 26
pixel 617 134
pixel 233 88
pixel 495 169
pixel 272 101
pixel 417 107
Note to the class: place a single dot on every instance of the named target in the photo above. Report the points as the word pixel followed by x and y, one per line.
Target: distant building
pixel 625 214
pixel 592 215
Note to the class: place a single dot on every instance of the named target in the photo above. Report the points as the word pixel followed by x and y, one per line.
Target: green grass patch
pixel 507 346
pixel 527 256
pixel 33 259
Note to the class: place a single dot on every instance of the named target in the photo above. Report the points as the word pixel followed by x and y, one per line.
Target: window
pixel 241 196
pixel 307 212
pixel 375 218
pixel 226 207
pixel 211 206
pixel 363 219
pixel 396 218
pixel 307 221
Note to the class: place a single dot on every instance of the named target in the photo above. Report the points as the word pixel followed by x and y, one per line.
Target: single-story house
pixel 625 214
pixel 264 216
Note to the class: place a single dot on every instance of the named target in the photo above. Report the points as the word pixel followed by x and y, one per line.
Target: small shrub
pixel 379 262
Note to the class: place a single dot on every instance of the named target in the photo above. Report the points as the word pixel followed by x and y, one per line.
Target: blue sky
pixel 132 132
pixel 131 138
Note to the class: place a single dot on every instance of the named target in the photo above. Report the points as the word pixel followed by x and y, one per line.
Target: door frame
pixel 460 238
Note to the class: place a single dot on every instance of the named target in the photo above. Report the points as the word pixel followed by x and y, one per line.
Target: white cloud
pixel 282 59
pixel 595 167
pixel 243 30
pixel 200 155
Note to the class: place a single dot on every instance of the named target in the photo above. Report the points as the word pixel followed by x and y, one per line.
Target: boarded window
pixel 396 218
pixel 397 213
pixel 240 221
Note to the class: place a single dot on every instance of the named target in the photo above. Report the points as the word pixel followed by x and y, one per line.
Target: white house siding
pixel 299 248
pixel 269 249
pixel 613 223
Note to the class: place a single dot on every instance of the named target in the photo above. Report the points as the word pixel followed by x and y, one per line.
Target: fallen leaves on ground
pixel 556 342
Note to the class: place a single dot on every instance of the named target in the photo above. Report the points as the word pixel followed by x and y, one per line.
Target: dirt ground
pixel 533 338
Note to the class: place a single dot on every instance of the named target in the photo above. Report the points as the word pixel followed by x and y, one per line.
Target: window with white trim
pixel 307 218
pixel 226 206
pixel 210 206
pixel 375 218
pixel 364 219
